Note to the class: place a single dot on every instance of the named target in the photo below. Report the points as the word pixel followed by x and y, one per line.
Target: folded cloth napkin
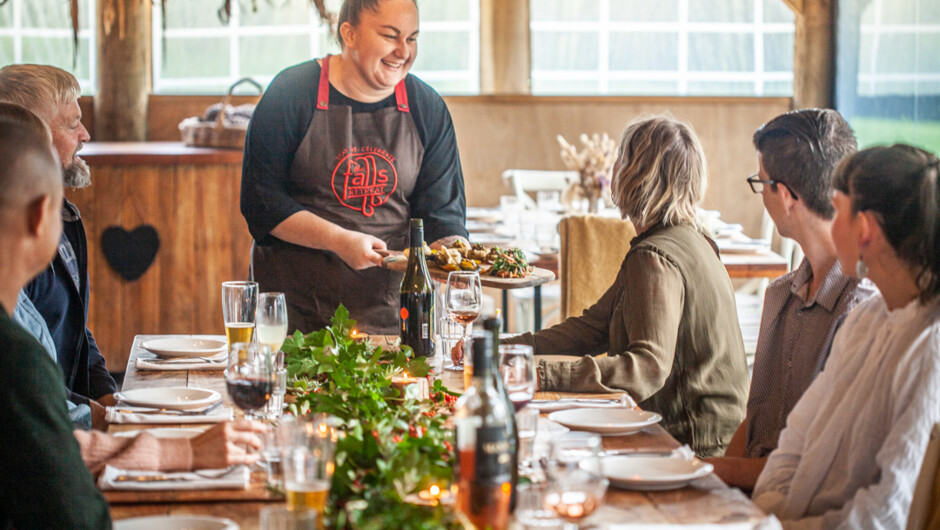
pixel 551 405
pixel 233 478
pixel 128 414
pixel 216 362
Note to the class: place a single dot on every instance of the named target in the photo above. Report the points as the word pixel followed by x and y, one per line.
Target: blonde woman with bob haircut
pixel 668 322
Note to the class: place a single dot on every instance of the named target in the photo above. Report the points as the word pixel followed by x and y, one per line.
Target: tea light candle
pixel 432 496
pixel 411 387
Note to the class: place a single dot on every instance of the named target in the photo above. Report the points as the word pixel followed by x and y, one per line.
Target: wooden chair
pixel 592 249
pixel 524 181
pixel 925 506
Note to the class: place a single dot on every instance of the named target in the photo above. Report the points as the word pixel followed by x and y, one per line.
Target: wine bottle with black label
pixel 417 297
pixel 485 445
pixel 492 326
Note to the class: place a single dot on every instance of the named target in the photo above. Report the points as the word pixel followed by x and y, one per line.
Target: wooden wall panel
pixel 497 133
pixel 203 241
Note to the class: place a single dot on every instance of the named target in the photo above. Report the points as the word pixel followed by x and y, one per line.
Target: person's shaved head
pixel 29 168
pixel 17 113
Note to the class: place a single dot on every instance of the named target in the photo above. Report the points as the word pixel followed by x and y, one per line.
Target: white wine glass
pixel 576 483
pixel 517 367
pixel 271 322
pixel 239 304
pixel 464 300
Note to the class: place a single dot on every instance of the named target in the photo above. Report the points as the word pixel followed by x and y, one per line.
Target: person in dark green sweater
pixel 43 480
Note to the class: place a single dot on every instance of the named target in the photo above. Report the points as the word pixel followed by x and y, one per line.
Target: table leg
pixel 537 307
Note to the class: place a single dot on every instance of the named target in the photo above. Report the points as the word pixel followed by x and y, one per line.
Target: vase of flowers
pixel 593 163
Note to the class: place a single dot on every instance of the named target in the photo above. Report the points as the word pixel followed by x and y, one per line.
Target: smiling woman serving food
pixel 340 153
pixel 668 322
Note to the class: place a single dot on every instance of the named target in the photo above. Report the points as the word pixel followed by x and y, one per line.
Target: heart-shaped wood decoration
pixel 130 254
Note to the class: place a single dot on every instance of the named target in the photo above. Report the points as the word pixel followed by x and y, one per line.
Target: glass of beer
pixel 239 304
pixel 307 459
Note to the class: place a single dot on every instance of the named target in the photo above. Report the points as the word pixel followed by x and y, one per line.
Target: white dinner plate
pixel 653 472
pixel 605 420
pixel 163 432
pixel 740 247
pixel 184 347
pixel 179 398
pixel 176 522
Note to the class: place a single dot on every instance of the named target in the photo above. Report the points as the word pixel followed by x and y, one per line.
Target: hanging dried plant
pixel 115 9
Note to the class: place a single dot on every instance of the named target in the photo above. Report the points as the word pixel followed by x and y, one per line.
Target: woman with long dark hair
pixel 853 446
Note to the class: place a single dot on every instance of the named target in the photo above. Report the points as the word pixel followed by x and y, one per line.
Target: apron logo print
pixel 364 181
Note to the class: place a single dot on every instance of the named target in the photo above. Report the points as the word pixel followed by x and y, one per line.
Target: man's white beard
pixel 77 175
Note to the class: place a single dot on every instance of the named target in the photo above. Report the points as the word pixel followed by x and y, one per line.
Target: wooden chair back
pixel 592 249
pixel 925 506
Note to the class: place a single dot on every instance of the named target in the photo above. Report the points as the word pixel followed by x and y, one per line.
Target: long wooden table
pixel 707 501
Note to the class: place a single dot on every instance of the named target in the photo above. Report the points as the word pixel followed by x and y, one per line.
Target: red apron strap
pixel 401 96
pixel 323 92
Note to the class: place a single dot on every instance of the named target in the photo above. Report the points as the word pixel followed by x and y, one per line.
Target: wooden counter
pixel 191 197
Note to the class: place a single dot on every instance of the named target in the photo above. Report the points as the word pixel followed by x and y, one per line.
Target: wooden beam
pixel 795 5
pixel 814 55
pixel 504 47
pixel 123 70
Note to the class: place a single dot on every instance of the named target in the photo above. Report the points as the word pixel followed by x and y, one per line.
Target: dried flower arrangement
pixel 593 163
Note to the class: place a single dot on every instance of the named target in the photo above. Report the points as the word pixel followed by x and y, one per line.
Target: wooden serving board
pixel 397 261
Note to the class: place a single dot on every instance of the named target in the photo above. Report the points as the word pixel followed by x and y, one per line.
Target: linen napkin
pixel 128 414
pixel 234 478
pixel 625 401
pixel 217 363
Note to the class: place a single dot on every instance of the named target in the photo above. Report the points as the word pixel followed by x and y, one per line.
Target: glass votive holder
pixel 280 518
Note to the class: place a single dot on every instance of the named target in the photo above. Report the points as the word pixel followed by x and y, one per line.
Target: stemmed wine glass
pixel 576 483
pixel 464 299
pixel 249 376
pixel 271 329
pixel 517 367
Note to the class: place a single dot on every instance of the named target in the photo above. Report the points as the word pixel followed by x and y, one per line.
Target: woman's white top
pixel 852 449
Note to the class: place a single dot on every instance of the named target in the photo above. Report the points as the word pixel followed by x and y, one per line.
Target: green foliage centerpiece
pixel 392 445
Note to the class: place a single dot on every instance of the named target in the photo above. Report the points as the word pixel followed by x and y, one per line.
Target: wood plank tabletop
pixel 706 501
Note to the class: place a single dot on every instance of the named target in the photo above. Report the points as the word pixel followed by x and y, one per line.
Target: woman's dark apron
pixel 356 170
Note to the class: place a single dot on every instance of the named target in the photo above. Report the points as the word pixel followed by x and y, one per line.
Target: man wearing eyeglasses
pixel 796 153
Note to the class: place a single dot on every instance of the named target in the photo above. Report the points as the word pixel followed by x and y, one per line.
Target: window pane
pixel 442 51
pixel 721 11
pixel 776 11
pixel 213 58
pixel 191 14
pixel 778 52
pixel 888 76
pixel 455 10
pixel 644 88
pixel 46 14
pixel 660 51
pixel 287 13
pixel 643 11
pixel 264 56
pixel 564 87
pixel 720 88
pixel 721 52
pixel 564 10
pixel 778 88
pixel 555 50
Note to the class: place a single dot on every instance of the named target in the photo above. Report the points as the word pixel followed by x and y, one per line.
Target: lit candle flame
pixel 498 311
pixel 434 490
pixel 353 333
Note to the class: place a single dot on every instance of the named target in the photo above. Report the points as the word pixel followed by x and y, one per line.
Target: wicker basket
pixel 220 132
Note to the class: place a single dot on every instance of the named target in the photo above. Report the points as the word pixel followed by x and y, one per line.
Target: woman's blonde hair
pixel 660 174
pixel 38 87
